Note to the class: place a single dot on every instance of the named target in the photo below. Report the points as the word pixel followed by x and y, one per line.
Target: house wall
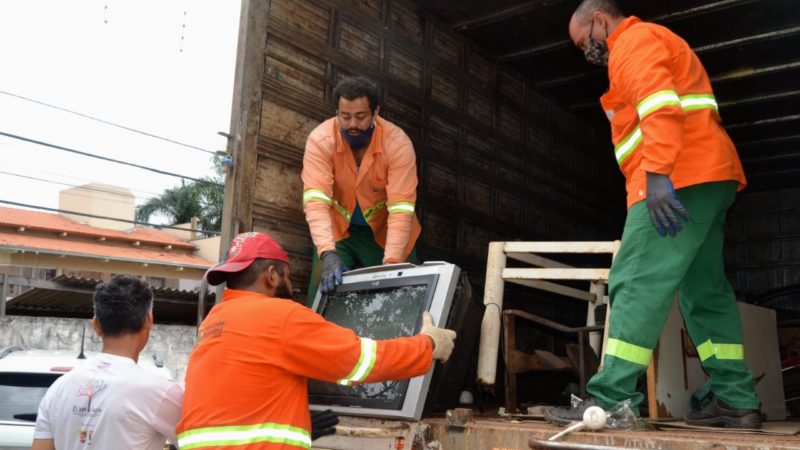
pixel 173 342
pixel 99 200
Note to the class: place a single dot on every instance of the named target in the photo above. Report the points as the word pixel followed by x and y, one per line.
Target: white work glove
pixel 442 338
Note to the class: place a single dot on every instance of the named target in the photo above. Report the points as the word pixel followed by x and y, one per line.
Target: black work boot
pixel 717 414
pixel 562 415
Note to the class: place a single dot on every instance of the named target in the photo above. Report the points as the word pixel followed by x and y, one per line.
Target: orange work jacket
pixel 663 113
pixel 385 187
pixel 246 379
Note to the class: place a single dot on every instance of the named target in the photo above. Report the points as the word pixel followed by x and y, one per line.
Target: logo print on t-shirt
pixel 89 389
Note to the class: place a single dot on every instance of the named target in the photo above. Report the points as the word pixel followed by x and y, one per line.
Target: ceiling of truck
pixel 750 48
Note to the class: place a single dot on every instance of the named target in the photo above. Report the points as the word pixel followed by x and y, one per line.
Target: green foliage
pixel 179 204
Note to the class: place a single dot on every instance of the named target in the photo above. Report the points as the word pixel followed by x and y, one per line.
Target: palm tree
pixel 201 199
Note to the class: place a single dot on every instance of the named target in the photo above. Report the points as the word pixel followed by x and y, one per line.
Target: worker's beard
pixel 282 291
pixel 359 140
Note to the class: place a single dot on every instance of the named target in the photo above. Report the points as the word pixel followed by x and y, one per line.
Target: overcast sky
pixel 165 67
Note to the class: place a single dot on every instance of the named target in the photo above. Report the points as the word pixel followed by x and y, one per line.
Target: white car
pixel 25 376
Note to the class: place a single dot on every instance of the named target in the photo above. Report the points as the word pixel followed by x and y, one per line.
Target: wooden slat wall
pixel 497 160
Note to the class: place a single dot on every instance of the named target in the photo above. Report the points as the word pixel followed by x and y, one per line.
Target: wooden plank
pixel 245 119
pixel 535 260
pixel 555 274
pixel 562 247
pixel 555 288
pixel 478 196
pixel 286 125
pixel 404 67
pixel 480 108
pixel 439 231
pixel 441 182
pixel 273 173
pixel 509 208
pixel 304 16
pixel 445 89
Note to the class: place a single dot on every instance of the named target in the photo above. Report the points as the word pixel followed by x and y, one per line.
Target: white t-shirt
pixel 110 403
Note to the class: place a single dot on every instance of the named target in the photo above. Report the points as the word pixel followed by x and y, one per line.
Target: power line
pixel 95 216
pixel 109 123
pixel 104 158
pixel 89 188
pixel 77 179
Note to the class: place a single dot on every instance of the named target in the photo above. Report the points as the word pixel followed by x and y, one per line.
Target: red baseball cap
pixel 246 248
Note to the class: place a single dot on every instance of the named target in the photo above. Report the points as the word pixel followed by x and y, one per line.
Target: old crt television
pixel 385 302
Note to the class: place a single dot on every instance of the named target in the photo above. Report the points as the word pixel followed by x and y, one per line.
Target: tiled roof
pixel 35 220
pixel 120 252
pixel 169 305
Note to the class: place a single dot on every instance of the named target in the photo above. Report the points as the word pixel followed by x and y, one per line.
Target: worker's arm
pixel 168 413
pixel 43 436
pixel 43 444
pixel 641 67
pixel 315 348
pixel 317 178
pixel 401 196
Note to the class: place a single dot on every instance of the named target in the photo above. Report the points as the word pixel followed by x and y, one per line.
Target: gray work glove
pixel 666 211
pixel 332 269
pixel 442 338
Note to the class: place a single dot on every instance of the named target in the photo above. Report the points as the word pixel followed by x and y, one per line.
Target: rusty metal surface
pixel 503 434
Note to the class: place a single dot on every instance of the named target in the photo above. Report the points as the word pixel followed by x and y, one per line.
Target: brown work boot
pixel 717 414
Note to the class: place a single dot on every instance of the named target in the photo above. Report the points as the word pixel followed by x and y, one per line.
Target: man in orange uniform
pixel 359 188
pixel 682 174
pixel 246 382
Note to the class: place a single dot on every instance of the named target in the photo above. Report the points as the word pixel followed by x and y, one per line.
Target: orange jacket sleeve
pixel 641 66
pixel 317 178
pixel 401 195
pixel 315 348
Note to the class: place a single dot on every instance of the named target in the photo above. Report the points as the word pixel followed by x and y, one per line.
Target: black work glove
pixel 666 211
pixel 332 268
pixel 323 423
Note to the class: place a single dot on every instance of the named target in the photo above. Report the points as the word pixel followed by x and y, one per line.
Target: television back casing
pixel 446 277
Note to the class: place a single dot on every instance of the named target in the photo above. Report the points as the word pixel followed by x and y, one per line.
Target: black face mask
pixel 360 140
pixel 596 51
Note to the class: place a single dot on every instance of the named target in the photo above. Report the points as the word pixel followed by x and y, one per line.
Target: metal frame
pixel 517 362
pixel 547 269
pixel 440 303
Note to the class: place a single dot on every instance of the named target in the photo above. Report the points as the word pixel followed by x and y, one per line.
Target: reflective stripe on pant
pixel 644 277
pixel 358 250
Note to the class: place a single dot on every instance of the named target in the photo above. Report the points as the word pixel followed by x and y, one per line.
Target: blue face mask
pixel 360 140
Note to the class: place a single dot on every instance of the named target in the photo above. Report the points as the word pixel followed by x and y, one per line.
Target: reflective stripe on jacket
pixel 385 187
pixel 663 113
pixel 246 381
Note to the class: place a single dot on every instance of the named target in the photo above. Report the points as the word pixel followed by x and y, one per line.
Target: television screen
pixel 384 312
pixel 382 303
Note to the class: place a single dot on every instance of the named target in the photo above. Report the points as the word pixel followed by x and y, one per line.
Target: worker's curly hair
pixel 121 305
pixel 352 88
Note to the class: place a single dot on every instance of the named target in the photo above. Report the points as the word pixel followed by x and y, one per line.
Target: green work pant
pixel 358 250
pixel 644 277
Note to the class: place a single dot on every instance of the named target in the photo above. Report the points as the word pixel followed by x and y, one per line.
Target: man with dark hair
pixel 109 401
pixel 246 383
pixel 359 188
pixel 682 174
